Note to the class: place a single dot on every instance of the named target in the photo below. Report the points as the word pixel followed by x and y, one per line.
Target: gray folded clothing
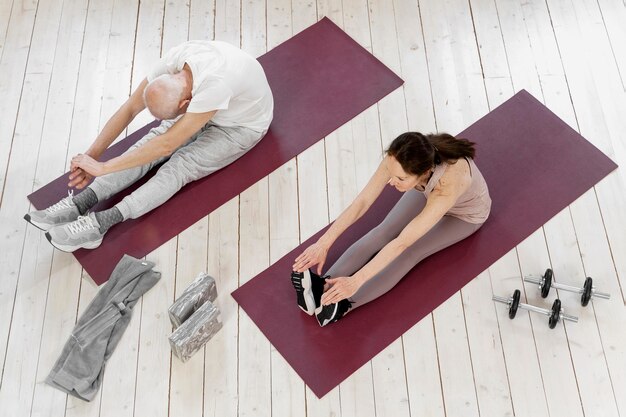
pixel 80 367
pixel 202 289
pixel 198 329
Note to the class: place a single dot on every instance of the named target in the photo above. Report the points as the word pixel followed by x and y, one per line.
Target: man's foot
pixel 65 211
pixel 309 288
pixel 332 312
pixel 82 233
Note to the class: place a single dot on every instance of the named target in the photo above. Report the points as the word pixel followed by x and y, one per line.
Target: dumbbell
pixel 555 314
pixel 545 283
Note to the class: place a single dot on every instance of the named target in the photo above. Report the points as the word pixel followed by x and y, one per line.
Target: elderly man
pixel 215 104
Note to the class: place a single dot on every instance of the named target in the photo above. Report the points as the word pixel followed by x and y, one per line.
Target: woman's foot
pixel 309 288
pixel 332 312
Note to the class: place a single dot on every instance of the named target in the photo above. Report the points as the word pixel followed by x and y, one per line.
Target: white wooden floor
pixel 66 64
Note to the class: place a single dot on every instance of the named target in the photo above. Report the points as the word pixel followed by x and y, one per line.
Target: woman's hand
pixel 313 255
pixel 340 289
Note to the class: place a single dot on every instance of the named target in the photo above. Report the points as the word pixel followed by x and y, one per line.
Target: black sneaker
pixel 309 288
pixel 332 312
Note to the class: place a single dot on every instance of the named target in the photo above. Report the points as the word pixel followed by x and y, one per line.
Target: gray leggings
pixel 446 232
pixel 212 148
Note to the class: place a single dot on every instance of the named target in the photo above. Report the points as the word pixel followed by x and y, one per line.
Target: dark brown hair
pixel 417 153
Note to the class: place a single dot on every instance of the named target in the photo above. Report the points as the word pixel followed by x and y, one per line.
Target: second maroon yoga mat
pixel 320 78
pixel 535 165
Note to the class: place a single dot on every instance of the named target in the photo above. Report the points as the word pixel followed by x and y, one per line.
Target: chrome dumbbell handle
pixel 539 310
pixel 533 279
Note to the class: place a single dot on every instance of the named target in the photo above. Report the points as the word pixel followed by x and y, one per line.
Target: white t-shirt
pixel 225 79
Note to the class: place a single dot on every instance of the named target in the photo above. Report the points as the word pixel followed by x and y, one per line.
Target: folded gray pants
pixel 211 148
pixel 80 368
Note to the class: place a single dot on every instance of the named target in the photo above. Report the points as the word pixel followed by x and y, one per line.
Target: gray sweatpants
pixel 212 148
pixel 446 232
pixel 80 368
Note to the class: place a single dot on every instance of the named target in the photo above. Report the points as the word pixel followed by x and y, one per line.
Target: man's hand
pixel 79 178
pixel 313 255
pixel 85 166
pixel 340 289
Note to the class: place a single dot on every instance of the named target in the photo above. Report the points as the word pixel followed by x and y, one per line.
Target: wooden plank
pixel 531 375
pixel 490 373
pixel 592 376
pixel 255 397
pixel 5 18
pixel 13 67
pixel 453 63
pixel 614 16
pixel 459 99
pixel 344 177
pixel 599 106
pixel 499 393
pixel 147 50
pixel 59 320
pixel 493 56
pixel 64 282
pixel 26 292
pixel 228 21
pixel 87 122
pixel 415 72
pixel 522 68
pixel 187 379
pixel 393 121
pixel 74 406
pixel 117 400
pixel 422 369
pixel 420 350
pixel 388 367
pixel 312 195
pixel 84 129
pixel 560 368
pixel 220 365
pixel 288 390
pixel 288 393
pixel 491 48
pixel 175 25
pixel 254 370
pixel 597 262
pixel 152 384
pixel 202 20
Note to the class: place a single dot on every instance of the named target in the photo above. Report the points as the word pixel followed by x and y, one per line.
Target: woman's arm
pixel 316 253
pixel 452 185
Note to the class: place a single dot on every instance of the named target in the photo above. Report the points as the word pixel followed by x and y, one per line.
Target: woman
pixel 445 200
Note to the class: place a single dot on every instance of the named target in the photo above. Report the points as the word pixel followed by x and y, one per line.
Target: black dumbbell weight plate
pixel 514 304
pixel 556 314
pixel 547 283
pixel 584 299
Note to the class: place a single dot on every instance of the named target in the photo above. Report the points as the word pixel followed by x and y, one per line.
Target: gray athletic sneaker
pixel 82 233
pixel 64 211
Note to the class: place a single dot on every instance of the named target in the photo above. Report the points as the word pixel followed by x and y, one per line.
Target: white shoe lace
pixel 83 223
pixel 63 204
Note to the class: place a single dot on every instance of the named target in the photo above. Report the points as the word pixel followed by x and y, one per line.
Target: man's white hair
pixel 162 96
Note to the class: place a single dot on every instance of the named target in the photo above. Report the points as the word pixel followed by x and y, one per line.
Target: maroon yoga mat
pixel 535 165
pixel 320 78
